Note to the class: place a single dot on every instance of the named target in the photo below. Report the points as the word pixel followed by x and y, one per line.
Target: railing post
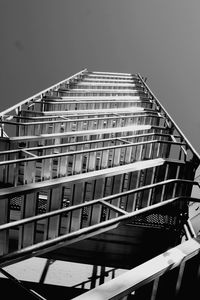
pixel 4 218
pixel 28 209
pixel 54 201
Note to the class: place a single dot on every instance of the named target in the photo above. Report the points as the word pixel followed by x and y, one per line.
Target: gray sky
pixel 45 41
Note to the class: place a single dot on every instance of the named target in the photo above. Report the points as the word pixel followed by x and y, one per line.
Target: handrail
pixel 152 270
pixel 145 114
pixel 99 73
pixel 85 142
pixel 44 115
pixel 101 90
pixel 83 233
pixel 28 188
pixel 109 198
pixel 89 101
pixel 66 101
pixel 70 113
pixel 132 109
pixel 40 94
pixel 169 117
pixel 89 112
pixel 103 98
pixel 85 132
pixel 84 151
pixel 91 98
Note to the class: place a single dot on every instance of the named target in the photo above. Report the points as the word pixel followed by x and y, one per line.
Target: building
pixel 94 171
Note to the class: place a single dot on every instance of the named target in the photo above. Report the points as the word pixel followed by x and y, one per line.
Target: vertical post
pixel 102 275
pixel 116 188
pixel 98 193
pixel 29 171
pixel 3 169
pixel 27 233
pixel 4 218
pixel 94 277
pixel 46 169
pixel 54 202
pixel 63 166
pixel 77 199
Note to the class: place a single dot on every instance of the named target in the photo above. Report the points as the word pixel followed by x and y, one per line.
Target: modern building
pixel 95 172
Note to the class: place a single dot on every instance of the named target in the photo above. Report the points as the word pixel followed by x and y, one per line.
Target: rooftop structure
pixel 94 170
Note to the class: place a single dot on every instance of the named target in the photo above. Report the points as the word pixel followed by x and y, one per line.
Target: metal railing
pixel 167 116
pixel 71 171
pixel 81 123
pixel 38 97
pixel 40 232
pixel 173 274
pixel 48 165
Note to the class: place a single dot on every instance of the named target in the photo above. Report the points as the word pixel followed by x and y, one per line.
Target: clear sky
pixel 45 41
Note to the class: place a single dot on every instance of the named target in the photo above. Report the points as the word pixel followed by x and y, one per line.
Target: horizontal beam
pixel 110 73
pixel 103 98
pixel 82 133
pixel 91 79
pixel 62 119
pixel 66 101
pixel 86 151
pixel 100 90
pixel 86 100
pixel 89 83
pixel 69 119
pixel 29 188
pixel 123 139
pixel 132 109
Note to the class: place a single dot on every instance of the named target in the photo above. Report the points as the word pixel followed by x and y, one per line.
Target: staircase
pixel 90 160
